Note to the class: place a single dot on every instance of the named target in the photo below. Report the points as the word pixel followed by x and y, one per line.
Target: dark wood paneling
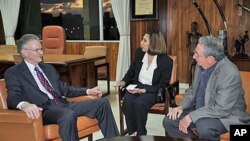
pixel 175 18
pixel 242 64
pixel 78 48
pixel 138 28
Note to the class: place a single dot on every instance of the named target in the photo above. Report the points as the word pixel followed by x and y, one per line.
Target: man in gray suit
pixel 214 101
pixel 35 88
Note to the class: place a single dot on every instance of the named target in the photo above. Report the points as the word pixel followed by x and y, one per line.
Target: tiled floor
pixel 154 123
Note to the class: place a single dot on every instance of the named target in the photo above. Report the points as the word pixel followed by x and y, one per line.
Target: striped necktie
pixel 47 86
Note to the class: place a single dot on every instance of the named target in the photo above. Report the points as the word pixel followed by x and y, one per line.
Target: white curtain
pixel 10 10
pixel 121 13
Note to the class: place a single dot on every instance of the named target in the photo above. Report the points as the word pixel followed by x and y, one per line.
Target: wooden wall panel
pixel 244 23
pixel 78 48
pixel 138 28
pixel 175 18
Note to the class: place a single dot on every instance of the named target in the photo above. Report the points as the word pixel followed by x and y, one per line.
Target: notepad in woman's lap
pixel 131 87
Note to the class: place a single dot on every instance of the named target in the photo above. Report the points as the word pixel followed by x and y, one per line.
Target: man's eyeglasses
pixel 35 50
pixel 195 54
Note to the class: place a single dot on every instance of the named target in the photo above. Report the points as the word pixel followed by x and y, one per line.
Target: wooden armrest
pixel 176 86
pixel 171 91
pixel 121 93
pixel 15 116
pixel 81 98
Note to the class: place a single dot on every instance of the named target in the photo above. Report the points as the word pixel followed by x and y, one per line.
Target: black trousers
pixel 65 115
pixel 136 108
pixel 206 128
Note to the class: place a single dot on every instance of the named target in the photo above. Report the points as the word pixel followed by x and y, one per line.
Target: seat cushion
pixel 83 123
pixel 178 98
pixel 224 137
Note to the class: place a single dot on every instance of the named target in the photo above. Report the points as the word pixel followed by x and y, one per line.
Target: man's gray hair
pixel 212 47
pixel 22 42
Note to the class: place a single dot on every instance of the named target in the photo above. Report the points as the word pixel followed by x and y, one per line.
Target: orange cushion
pixel 158 107
pixel 178 98
pixel 83 122
pixel 224 137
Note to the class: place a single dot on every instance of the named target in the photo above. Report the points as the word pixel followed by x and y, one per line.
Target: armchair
pixel 101 66
pixel 245 76
pixel 53 39
pixel 158 108
pixel 16 121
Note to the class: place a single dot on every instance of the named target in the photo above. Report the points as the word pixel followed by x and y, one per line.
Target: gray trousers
pixel 206 128
pixel 65 115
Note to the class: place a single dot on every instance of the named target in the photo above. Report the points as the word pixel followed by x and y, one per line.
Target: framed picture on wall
pixel 144 9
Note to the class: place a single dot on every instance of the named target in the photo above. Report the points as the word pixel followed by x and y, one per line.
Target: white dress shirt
pixel 33 72
pixel 147 71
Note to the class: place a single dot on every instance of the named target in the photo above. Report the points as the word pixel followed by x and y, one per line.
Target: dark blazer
pixel 22 86
pixel 162 74
pixel 224 96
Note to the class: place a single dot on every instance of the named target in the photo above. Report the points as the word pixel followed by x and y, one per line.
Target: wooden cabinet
pixel 242 64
